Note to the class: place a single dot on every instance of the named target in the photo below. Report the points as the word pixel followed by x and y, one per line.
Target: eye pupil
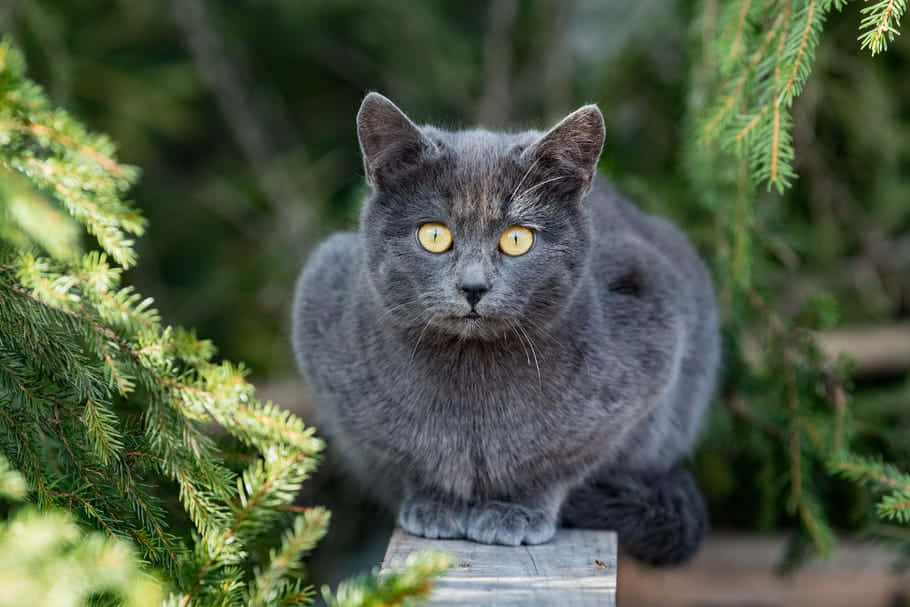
pixel 434 237
pixel 516 240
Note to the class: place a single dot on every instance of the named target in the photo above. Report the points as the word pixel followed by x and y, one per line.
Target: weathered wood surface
pixel 576 569
pixel 875 350
pixel 740 571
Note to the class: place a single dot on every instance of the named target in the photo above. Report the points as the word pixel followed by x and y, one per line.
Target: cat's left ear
pixel 568 153
pixel 389 141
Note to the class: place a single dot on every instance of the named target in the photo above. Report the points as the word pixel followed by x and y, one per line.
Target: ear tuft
pixel 570 150
pixel 389 141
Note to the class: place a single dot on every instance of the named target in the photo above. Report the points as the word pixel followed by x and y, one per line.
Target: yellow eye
pixel 516 240
pixel 434 237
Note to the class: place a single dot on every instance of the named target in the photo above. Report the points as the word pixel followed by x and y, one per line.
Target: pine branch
pixel 737 46
pixel 884 477
pixel 800 49
pixel 12 484
pixel 895 507
pixel 102 408
pixel 394 589
pixel 47 561
pixel 876 473
pixel 752 115
pixel 879 24
pixel 274 583
pixel 59 157
pixel 725 113
pixel 105 412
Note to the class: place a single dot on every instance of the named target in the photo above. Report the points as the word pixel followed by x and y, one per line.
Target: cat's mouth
pixel 473 325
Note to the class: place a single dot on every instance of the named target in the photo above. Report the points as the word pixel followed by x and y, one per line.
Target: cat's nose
pixel 473 291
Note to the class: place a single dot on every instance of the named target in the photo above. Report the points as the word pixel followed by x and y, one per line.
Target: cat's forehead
pixel 482 170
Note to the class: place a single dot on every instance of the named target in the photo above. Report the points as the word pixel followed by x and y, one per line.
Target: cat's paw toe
pixel 509 524
pixel 432 519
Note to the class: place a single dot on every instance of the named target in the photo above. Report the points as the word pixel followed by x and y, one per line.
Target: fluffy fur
pixel 580 386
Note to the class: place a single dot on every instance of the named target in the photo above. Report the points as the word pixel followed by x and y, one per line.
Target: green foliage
pixel 12 485
pixel 885 478
pixel 764 55
pixel 880 21
pixel 831 248
pixel 394 589
pixel 47 561
pixel 61 159
pixel 110 416
pixel 789 402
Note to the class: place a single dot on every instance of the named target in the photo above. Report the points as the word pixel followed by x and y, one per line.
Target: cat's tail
pixel 660 518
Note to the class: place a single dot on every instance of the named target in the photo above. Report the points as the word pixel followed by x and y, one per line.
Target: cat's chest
pixel 474 420
pixel 491 398
pixel 485 381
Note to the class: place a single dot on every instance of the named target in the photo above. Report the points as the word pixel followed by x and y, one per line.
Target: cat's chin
pixel 473 326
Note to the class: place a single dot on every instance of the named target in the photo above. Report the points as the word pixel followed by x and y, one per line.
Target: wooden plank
pixel 875 350
pixel 576 569
pixel 739 571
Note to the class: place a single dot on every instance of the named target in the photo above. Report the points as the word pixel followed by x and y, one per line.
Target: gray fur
pixel 595 355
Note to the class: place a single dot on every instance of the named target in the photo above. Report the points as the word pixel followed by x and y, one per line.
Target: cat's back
pixel 657 294
pixel 613 214
pixel 320 298
pixel 626 237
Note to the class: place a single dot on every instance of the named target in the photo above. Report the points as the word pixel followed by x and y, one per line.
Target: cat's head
pixel 474 232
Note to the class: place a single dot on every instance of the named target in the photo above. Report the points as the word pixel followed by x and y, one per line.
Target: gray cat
pixel 507 343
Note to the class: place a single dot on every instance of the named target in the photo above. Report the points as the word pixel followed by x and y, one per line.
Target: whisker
pixel 541 330
pixel 520 340
pixel 419 337
pixel 534 353
pixel 537 185
pixel 392 309
pixel 523 177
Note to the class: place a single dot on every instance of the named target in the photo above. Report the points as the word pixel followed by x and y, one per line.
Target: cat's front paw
pixel 509 524
pixel 432 518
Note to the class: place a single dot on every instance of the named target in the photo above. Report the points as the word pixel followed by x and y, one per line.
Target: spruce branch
pixel 64 161
pixel 409 585
pixel 891 483
pixel 879 24
pixel 800 48
pixel 737 46
pixel 104 410
pixel 725 112
pixel 895 506
pixel 12 484
pixel 46 560
pixel 274 581
pixel 757 86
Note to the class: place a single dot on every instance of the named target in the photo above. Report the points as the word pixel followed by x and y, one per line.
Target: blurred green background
pixel 241 116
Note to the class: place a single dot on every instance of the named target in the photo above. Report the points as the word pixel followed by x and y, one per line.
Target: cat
pixel 507 344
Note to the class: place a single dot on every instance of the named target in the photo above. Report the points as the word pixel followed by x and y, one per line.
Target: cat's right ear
pixel 566 156
pixel 389 141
